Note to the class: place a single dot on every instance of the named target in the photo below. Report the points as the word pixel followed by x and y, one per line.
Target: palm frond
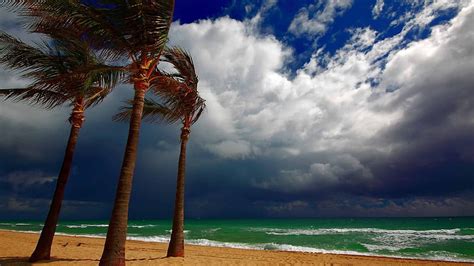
pixel 20 56
pixel 183 63
pixel 153 112
pixel 143 23
pixel 104 75
pixel 179 90
pixel 119 28
pixel 164 84
pixel 66 66
pixel 177 93
pixel 65 16
pixel 30 95
pixel 97 95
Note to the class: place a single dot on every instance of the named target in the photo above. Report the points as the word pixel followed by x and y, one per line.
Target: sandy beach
pixel 15 247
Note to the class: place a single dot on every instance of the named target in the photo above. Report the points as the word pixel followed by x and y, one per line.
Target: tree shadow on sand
pixel 24 260
pixel 4 261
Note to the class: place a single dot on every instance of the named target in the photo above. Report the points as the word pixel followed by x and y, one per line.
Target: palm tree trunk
pixel 176 245
pixel 114 249
pixel 43 247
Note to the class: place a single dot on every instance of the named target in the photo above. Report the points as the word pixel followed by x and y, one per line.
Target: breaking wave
pixel 141 226
pixel 326 231
pixel 106 225
pixel 285 247
pixel 86 225
pixel 440 234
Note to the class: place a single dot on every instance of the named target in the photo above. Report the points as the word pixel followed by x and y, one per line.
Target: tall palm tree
pixel 135 30
pixel 180 102
pixel 63 72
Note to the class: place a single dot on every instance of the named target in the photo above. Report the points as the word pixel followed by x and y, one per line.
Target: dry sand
pixel 15 247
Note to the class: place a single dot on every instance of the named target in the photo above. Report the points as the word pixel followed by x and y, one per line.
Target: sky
pixel 315 108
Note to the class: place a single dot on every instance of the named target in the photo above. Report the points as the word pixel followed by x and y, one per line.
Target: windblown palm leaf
pixel 153 112
pixel 183 63
pixel 179 90
pixel 120 28
pixel 44 98
pixel 178 94
pixel 58 74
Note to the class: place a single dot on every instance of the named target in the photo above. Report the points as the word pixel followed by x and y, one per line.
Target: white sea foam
pixel 158 239
pixel 213 243
pixel 86 225
pixel 141 226
pixel 185 231
pixel 84 235
pixel 212 230
pixel 444 256
pixel 14 224
pixel 23 231
pixel 9 224
pixel 106 225
pixel 285 247
pixel 392 248
pixel 327 231
pixel 384 239
pixel 449 237
pixel 76 226
pixel 439 234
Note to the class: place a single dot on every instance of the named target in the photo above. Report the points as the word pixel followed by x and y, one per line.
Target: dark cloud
pixel 324 142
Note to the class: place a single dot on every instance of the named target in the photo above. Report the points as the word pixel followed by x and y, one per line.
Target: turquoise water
pixel 428 238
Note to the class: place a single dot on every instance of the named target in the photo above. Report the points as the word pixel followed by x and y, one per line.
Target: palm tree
pixel 135 30
pixel 181 101
pixel 65 72
pixel 131 30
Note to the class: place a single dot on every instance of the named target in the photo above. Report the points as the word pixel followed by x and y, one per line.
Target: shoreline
pixel 240 246
pixel 15 247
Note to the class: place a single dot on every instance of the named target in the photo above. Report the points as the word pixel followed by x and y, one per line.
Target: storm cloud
pixel 383 126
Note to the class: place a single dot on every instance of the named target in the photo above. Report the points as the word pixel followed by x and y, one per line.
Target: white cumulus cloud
pixel 314 22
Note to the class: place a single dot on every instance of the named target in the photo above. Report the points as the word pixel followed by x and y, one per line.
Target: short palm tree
pixel 180 102
pixel 131 30
pixel 65 71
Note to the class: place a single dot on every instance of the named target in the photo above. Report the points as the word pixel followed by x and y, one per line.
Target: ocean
pixel 449 239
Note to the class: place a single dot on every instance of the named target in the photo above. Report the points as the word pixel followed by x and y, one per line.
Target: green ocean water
pixel 429 238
